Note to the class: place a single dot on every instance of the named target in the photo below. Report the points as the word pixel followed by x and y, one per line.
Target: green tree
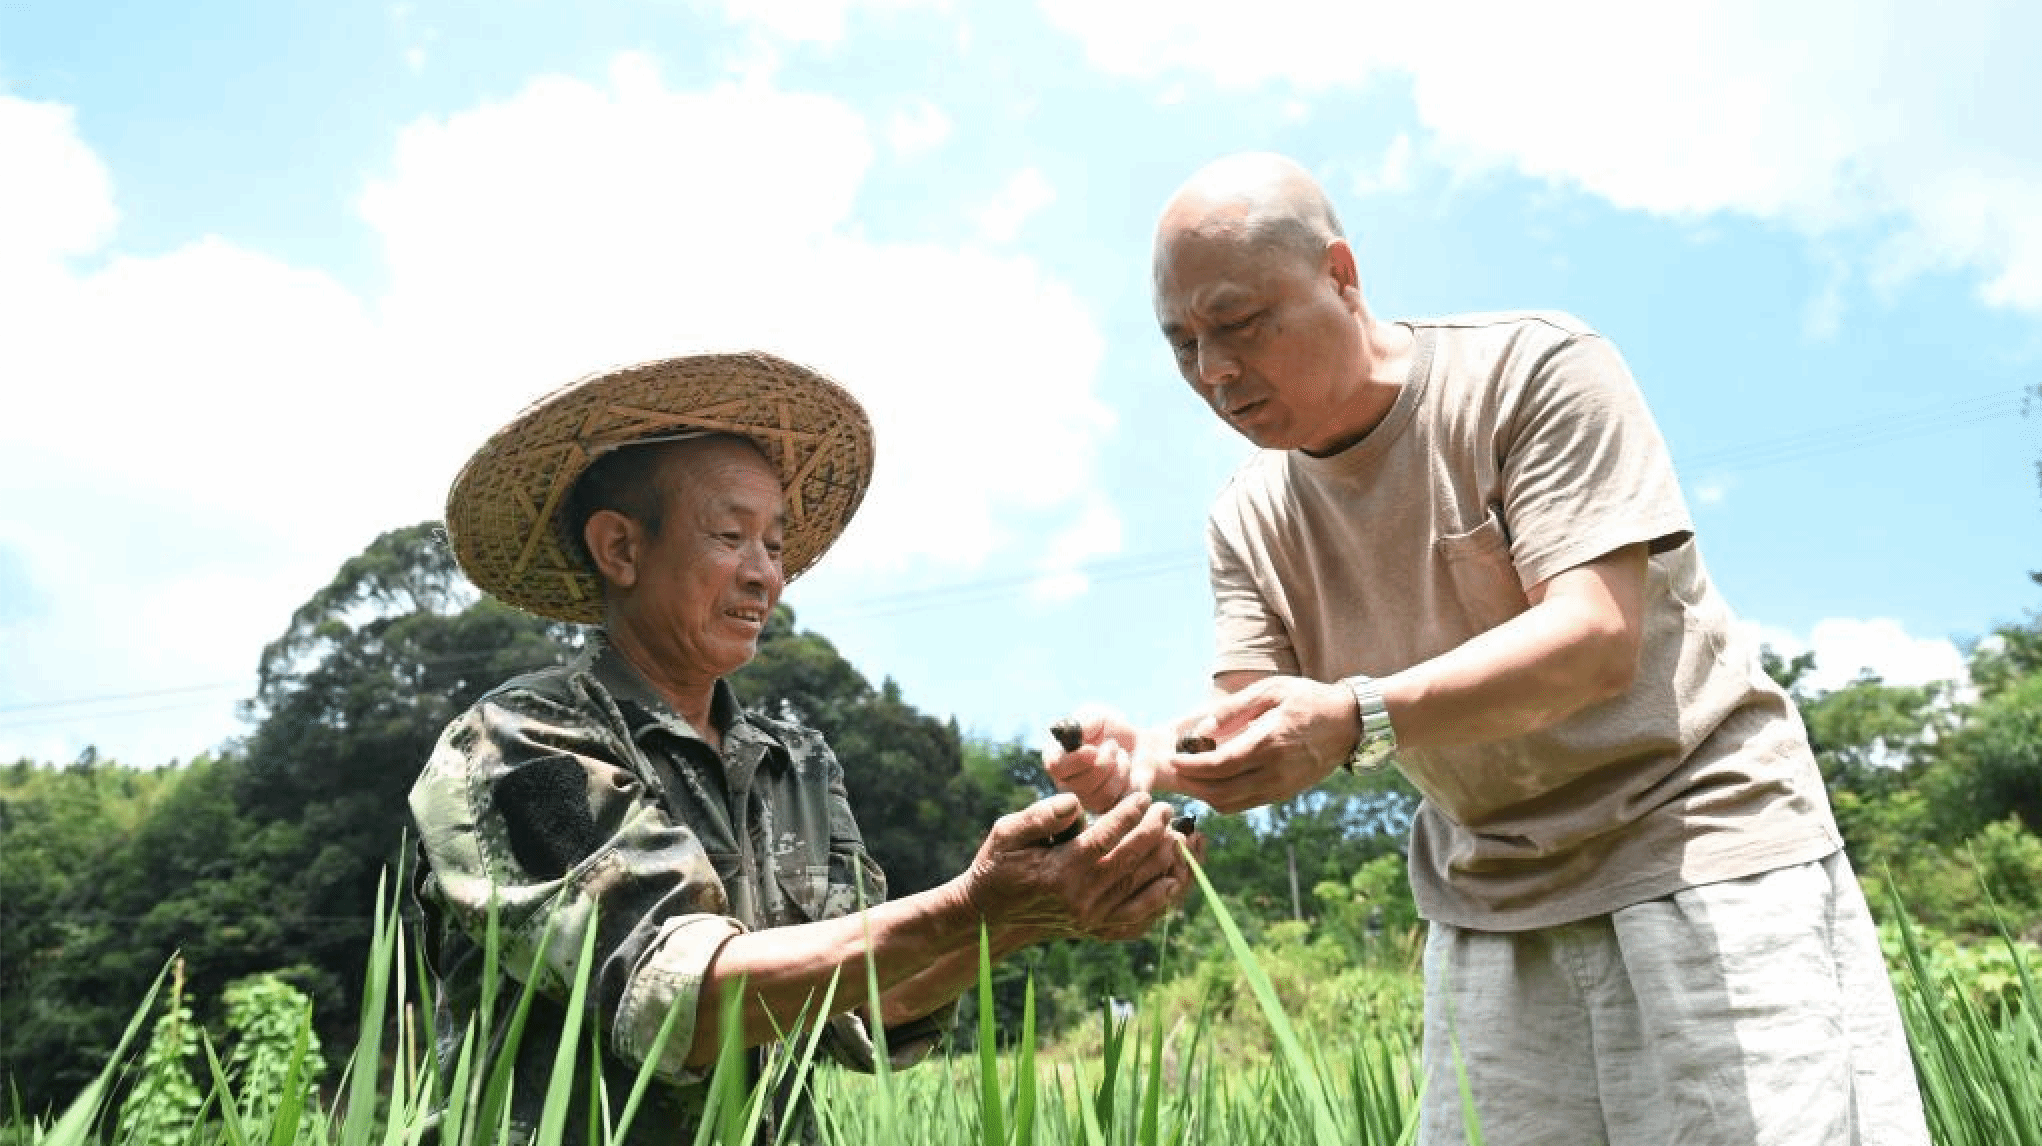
pixel 349 703
pixel 64 990
pixel 1995 761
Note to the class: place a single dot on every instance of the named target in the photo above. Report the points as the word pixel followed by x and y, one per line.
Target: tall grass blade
pixel 74 1126
pixel 1149 1127
pixel 1113 1043
pixel 495 1111
pixel 1024 1071
pixel 358 1122
pixel 805 1066
pixel 992 1126
pixel 720 1111
pixel 290 1107
pixel 459 1100
pixel 646 1069
pixel 560 1085
pixel 1307 1080
pixel 223 1094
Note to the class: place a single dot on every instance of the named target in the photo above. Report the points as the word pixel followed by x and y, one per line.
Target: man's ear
pixel 1340 265
pixel 614 542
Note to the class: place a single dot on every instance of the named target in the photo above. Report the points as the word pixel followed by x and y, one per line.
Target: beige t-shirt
pixel 1519 448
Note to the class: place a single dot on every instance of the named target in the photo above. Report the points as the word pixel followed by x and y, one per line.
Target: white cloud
pixel 1822 115
pixel 211 430
pixel 413 37
pixel 1823 316
pixel 1096 533
pixel 815 21
pixel 1846 647
pixel 1023 196
pixel 1392 173
pixel 57 200
pixel 1713 490
pixel 917 129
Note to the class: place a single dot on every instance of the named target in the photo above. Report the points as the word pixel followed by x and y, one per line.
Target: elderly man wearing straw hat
pixel 626 803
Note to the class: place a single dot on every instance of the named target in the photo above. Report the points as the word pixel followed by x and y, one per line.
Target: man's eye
pixel 1185 349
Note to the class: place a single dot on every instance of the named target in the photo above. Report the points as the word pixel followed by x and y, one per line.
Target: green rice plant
pixel 1156 1079
pixel 1980 1076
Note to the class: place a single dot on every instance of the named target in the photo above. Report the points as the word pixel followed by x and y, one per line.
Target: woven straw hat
pixel 504 508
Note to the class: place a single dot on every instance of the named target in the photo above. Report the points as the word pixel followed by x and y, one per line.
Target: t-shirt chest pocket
pixel 1480 573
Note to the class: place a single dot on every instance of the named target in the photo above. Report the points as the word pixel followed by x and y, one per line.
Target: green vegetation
pixel 259 865
pixel 1151 1080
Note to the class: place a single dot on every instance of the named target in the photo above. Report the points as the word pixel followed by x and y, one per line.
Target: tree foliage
pixel 264 857
pixel 1941 793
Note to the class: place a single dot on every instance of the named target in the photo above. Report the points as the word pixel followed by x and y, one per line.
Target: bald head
pixel 1257 199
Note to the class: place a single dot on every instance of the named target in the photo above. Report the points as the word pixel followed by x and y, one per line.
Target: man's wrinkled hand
pixel 1275 738
pixel 1113 881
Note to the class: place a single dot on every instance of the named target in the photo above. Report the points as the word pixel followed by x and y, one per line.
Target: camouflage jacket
pixel 575 797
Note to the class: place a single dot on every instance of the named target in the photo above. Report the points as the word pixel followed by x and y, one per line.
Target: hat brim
pixel 504 507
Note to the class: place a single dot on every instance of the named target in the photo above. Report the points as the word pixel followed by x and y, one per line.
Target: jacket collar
pixel 645 709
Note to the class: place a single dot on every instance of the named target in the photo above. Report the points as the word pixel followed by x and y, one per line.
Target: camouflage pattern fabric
pixel 576 798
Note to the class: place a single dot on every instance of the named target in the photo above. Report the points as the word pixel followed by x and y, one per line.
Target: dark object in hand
pixel 1190 745
pixel 1068 834
pixel 1183 825
pixel 1069 735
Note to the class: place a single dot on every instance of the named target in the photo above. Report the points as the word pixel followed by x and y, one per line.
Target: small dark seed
pixel 1189 745
pixel 1185 824
pixel 1069 735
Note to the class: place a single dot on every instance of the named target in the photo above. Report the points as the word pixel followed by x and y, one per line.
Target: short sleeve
pixel 1584 470
pixel 1250 635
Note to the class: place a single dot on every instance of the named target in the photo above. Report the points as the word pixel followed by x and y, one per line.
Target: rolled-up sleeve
pixel 538 818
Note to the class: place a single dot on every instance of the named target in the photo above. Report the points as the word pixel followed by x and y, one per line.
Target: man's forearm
pixel 949 976
pixel 788 968
pixel 1571 650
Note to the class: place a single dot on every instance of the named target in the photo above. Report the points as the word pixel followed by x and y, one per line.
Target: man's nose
pixel 761 568
pixel 1217 366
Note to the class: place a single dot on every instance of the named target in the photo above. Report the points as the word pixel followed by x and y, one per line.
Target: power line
pixel 1860 434
pixel 116 714
pixel 111 696
pixel 440 661
pixel 1884 430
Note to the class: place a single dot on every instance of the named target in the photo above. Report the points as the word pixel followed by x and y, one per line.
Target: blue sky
pixel 269 272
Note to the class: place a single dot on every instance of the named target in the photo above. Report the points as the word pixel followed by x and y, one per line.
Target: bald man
pixel 1462 546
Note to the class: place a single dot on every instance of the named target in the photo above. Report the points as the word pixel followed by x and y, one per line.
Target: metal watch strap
pixel 1378 742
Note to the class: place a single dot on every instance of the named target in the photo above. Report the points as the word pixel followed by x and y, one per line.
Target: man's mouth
pixel 756 616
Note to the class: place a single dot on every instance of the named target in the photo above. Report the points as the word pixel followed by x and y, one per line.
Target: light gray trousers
pixel 1753 1012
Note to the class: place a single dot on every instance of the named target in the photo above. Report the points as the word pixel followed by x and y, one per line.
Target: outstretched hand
pixel 1113 881
pixel 1111 759
pixel 1274 739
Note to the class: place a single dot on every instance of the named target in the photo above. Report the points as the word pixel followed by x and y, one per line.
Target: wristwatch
pixel 1378 741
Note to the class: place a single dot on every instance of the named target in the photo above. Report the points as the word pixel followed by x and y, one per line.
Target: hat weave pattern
pixel 503 511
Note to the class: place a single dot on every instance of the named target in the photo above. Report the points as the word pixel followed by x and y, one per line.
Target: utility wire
pixel 77 700
pixel 1883 430
pixel 1866 432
